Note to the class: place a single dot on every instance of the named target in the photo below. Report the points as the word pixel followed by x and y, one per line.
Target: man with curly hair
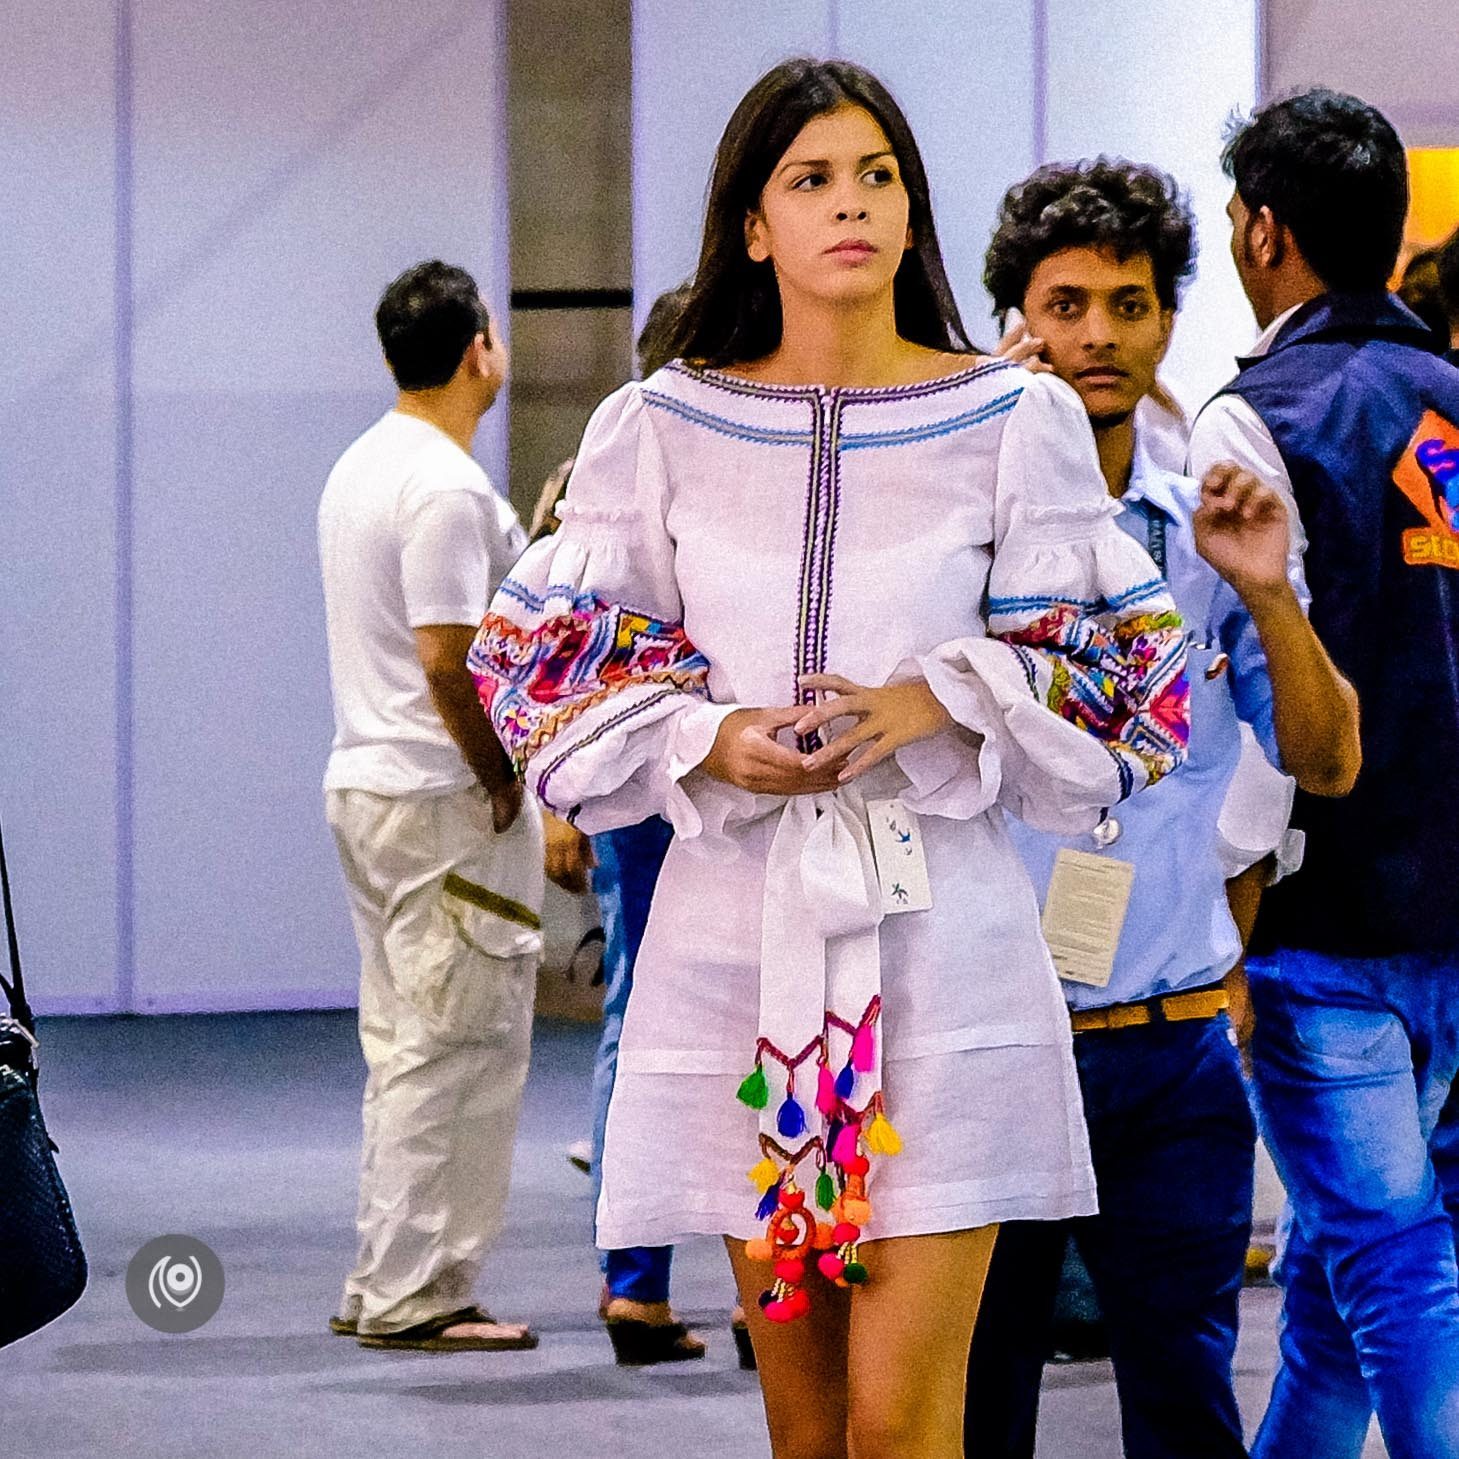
pixel 1093 255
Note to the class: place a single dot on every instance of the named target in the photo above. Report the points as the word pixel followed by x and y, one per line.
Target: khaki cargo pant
pixel 447 915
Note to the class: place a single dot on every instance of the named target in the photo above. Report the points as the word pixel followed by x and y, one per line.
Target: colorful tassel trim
pixel 843 1164
pixel 793 1234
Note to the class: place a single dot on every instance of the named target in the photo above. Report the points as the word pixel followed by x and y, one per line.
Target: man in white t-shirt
pixel 443 862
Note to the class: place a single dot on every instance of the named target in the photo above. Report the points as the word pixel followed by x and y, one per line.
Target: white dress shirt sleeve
pixel 1228 429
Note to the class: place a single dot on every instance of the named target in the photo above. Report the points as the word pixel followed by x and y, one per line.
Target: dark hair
pixel 426 321
pixel 733 310
pixel 1332 170
pixel 1421 291
pixel 655 346
pixel 1106 203
pixel 1449 279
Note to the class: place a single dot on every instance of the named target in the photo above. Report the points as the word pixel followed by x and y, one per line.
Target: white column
pixel 967 78
pixel 1155 81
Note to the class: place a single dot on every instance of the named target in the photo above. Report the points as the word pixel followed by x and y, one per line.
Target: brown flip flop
pixel 343 1327
pixel 428 1337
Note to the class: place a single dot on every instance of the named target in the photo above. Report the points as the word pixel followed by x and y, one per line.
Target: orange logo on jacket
pixel 1428 475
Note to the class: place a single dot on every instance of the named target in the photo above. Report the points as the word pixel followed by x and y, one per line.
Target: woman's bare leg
pixel 911 1328
pixel 802 1363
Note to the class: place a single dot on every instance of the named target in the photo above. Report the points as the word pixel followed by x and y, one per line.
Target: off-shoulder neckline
pixel 722 379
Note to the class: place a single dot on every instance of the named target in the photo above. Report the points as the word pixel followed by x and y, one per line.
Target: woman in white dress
pixel 827 491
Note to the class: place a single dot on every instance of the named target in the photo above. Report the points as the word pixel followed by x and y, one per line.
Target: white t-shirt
pixel 410 534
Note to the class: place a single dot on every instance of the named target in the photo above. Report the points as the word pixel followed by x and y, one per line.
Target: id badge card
pixel 1084 914
pixel 901 862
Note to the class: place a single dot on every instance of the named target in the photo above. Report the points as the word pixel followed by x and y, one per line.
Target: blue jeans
pixel 1174 1148
pixel 1355 1062
pixel 628 867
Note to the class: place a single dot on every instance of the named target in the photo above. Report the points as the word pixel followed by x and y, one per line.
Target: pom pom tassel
pixel 863 1049
pixel 764 1175
pixel 791 1119
pixel 825 1190
pixel 755 1089
pixel 844 1150
pixel 827 1100
pixel 769 1203
pixel 845 1082
pixel 882 1138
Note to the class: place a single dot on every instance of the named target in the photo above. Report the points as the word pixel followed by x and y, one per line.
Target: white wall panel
pixel 692 61
pixel 289 161
pixel 1402 58
pixel 965 76
pixel 58 478
pixel 1155 82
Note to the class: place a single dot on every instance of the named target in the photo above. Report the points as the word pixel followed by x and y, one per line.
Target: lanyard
pixel 1155 537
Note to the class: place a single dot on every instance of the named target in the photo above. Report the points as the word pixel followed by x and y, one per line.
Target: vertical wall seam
pixel 1262 37
pixel 125 990
pixel 500 469
pixel 1039 16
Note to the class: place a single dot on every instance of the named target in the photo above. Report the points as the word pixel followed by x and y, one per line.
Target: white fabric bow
pixel 820 952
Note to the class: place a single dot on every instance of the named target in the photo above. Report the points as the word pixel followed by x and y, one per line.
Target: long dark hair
pixel 733 310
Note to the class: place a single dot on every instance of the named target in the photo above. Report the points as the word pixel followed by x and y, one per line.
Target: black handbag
pixel 42 1265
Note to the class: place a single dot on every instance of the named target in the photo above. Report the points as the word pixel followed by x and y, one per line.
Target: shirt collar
pixel 1268 337
pixel 1153 484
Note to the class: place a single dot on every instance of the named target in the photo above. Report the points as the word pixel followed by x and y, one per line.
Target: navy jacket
pixel 1365 415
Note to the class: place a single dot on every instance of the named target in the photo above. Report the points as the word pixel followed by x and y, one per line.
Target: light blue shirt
pixel 1178 931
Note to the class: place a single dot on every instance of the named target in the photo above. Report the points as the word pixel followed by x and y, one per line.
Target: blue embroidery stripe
pixel 998 607
pixel 1152 588
pixel 522 594
pixel 851 441
pixel 735 429
pixel 575 597
pixel 865 440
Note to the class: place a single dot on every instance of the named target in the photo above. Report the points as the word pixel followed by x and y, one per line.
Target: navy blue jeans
pixel 628 868
pixel 1355 1062
pixel 1174 1147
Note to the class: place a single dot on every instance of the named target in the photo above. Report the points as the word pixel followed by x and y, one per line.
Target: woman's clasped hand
pixel 748 750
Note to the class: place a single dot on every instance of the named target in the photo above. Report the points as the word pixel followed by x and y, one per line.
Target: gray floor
pixel 242 1131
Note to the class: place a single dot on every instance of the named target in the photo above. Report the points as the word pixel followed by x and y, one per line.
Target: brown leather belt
pixel 1172 1008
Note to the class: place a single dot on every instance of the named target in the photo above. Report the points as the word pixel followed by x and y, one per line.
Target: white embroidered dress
pixel 721 538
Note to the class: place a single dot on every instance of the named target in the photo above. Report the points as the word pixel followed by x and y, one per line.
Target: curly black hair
pixel 1104 203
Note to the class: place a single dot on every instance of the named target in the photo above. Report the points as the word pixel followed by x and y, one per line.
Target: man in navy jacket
pixel 1345 405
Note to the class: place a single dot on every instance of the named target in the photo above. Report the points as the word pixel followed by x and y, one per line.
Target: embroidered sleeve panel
pixel 583 651
pixel 1115 669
